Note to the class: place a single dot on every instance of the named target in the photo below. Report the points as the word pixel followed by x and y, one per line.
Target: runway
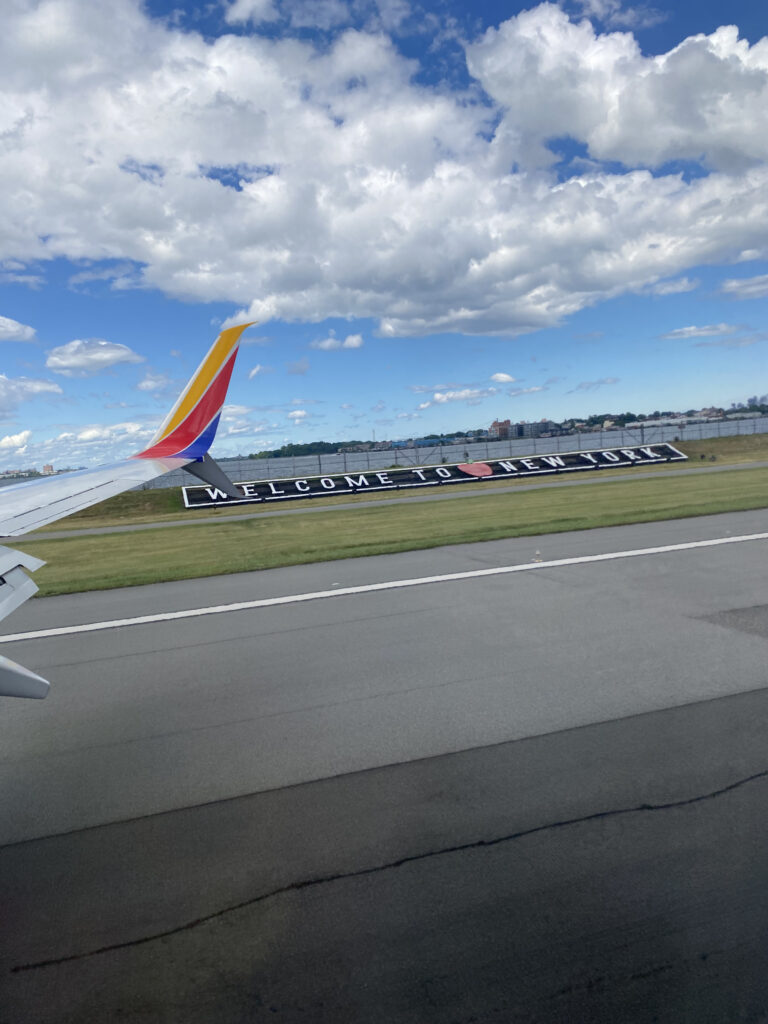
pixel 536 795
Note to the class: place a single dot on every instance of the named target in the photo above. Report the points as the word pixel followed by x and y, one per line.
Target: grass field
pixel 113 560
pixel 165 504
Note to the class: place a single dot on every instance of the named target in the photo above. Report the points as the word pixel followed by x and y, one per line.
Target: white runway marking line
pixel 368 588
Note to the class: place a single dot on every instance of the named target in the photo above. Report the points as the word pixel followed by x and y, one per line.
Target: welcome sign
pixel 257 491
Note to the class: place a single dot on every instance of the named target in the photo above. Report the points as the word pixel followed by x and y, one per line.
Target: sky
pixel 439 213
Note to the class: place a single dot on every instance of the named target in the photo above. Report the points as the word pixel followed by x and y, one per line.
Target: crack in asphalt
pixel 309 883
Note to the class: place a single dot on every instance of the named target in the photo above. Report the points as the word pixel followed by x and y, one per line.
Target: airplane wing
pixel 182 440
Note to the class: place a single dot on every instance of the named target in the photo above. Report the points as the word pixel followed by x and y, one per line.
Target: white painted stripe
pixel 368 588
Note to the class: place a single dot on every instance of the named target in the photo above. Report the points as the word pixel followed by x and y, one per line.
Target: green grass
pixel 165 504
pixel 117 560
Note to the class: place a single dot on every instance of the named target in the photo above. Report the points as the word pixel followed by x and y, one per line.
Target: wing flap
pixel 35 503
pixel 17 681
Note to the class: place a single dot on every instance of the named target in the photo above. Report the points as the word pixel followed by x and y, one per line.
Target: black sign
pixel 431 476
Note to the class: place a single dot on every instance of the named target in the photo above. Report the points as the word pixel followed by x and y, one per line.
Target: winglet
pixel 190 426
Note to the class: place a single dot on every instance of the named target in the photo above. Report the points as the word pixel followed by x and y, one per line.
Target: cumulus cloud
pixel 472 396
pixel 15 391
pixel 255 11
pixel 297 415
pixel 568 80
pixel 331 343
pixel 304 181
pixel 153 382
pixel 503 378
pixel 111 431
pixel 12 441
pixel 746 287
pixel 706 331
pixel 84 358
pixel 12 330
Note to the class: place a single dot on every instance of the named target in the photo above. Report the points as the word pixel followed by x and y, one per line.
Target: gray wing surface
pixel 182 441
pixel 34 503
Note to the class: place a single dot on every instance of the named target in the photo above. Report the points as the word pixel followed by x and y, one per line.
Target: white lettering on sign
pixel 207 495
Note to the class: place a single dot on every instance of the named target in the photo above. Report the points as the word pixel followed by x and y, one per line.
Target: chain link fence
pixel 462 451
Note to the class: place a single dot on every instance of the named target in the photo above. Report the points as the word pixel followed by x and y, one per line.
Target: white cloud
pixel 153 381
pixel 331 343
pixel 680 284
pixel 322 14
pixel 299 368
pixel 12 330
pixel 297 415
pixel 257 369
pixel 255 11
pixel 83 358
pixel 614 14
pixel 503 378
pixel 706 331
pixel 558 78
pixel 593 385
pixel 15 440
pixel 747 287
pixel 15 391
pixel 303 182
pixel 517 392
pixel 111 432
pixel 470 395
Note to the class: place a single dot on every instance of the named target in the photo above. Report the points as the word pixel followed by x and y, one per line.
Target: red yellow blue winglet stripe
pixel 190 426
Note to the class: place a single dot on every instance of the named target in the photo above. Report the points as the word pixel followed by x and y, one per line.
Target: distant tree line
pixel 311 448
pixel 757 404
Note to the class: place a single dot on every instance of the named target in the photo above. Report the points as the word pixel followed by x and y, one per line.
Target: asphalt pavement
pixel 529 797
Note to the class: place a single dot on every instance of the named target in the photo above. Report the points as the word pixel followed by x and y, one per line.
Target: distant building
pixel 535 429
pixel 48 470
pixel 500 430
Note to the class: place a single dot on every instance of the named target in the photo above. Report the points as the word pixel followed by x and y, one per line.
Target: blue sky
pixel 439 213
